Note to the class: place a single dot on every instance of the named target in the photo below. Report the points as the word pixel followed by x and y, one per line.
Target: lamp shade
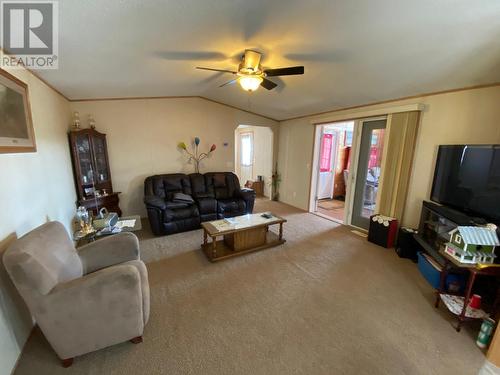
pixel 250 83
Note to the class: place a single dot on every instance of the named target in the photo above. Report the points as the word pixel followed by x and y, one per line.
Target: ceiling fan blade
pixel 251 59
pixel 191 55
pixel 293 70
pixel 267 84
pixel 216 70
pixel 229 82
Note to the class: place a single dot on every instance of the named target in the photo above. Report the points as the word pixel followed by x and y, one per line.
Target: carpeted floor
pixel 326 302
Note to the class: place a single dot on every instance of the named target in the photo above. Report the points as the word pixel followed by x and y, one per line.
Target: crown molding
pixel 170 97
pixel 36 76
pixel 117 98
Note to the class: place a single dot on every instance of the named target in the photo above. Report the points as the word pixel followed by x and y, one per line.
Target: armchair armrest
pixel 115 249
pixel 97 310
pixel 155 202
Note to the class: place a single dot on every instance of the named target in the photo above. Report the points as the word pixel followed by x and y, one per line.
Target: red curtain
pixel 325 160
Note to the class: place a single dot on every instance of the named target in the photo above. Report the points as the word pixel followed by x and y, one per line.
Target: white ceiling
pixel 354 52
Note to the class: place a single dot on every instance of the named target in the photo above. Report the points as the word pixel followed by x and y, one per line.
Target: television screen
pixel 467 177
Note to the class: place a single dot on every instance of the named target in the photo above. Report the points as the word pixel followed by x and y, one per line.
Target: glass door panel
pixel 368 172
pixel 101 163
pixel 84 159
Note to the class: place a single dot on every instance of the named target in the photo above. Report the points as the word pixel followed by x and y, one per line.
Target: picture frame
pixel 16 124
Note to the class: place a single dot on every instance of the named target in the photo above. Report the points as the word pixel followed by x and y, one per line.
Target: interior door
pixel 368 172
pixel 327 165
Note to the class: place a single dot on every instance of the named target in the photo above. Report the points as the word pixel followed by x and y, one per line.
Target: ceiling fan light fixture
pixel 250 83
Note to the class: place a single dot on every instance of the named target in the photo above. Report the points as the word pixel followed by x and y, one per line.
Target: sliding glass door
pixel 368 171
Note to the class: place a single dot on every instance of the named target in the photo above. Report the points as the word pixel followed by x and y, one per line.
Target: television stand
pixel 435 224
pixel 433 233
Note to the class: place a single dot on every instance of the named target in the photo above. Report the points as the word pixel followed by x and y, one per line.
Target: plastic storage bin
pixel 431 271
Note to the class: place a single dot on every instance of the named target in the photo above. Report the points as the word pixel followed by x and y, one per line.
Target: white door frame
pixel 315 170
pixel 351 180
pixel 238 166
pixel 356 144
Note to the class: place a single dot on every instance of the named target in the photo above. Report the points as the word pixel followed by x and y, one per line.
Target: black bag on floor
pixel 407 246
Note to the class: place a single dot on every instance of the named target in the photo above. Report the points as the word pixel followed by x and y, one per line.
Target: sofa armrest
pixel 153 201
pixel 115 249
pixel 248 195
pixel 97 310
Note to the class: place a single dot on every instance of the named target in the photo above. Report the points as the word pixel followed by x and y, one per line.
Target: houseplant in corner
pixel 275 183
pixel 193 155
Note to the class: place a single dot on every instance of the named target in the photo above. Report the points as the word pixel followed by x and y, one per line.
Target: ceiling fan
pixel 251 75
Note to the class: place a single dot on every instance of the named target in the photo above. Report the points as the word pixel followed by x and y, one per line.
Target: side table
pixel 472 270
pixel 82 239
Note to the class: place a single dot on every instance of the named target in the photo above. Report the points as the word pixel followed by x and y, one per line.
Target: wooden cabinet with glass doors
pixel 89 154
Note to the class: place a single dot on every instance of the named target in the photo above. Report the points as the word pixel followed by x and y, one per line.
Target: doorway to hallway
pixel 254 158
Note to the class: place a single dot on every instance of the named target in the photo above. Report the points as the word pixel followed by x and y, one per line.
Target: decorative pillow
pixel 182 198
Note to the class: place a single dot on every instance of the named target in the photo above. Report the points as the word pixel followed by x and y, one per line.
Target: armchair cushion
pixel 43 258
pixel 93 312
pixel 109 251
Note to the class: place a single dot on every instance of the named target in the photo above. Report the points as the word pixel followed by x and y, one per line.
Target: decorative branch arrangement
pixel 193 155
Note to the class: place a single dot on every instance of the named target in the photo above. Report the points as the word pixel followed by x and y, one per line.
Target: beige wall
pixel 262 153
pixel 471 116
pixel 35 187
pixel 143 134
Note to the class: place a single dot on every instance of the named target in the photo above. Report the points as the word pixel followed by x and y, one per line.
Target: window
pixel 246 149
pixel 326 153
pixel 458 238
pixel 348 138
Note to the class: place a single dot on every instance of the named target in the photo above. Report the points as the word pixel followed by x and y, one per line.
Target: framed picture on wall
pixel 16 125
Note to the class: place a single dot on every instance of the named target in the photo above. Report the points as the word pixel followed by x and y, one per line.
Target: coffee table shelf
pixel 224 251
pixel 241 235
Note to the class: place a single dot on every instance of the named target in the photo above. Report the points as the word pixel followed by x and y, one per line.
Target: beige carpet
pixel 326 302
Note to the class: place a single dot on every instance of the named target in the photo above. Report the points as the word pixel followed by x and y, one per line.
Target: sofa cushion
pixel 199 187
pixel 171 205
pixel 219 180
pixel 180 213
pixel 176 183
pixel 207 205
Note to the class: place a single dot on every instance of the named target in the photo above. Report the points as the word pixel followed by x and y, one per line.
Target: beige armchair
pixel 82 300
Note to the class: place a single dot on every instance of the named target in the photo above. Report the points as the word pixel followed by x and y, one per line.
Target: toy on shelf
pixel 473 245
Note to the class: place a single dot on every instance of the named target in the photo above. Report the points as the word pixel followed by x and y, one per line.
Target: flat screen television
pixel 467 178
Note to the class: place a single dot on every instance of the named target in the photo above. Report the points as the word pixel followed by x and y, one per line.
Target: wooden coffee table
pixel 240 235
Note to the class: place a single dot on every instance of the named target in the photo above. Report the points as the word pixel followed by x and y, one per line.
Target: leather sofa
pixel 215 196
